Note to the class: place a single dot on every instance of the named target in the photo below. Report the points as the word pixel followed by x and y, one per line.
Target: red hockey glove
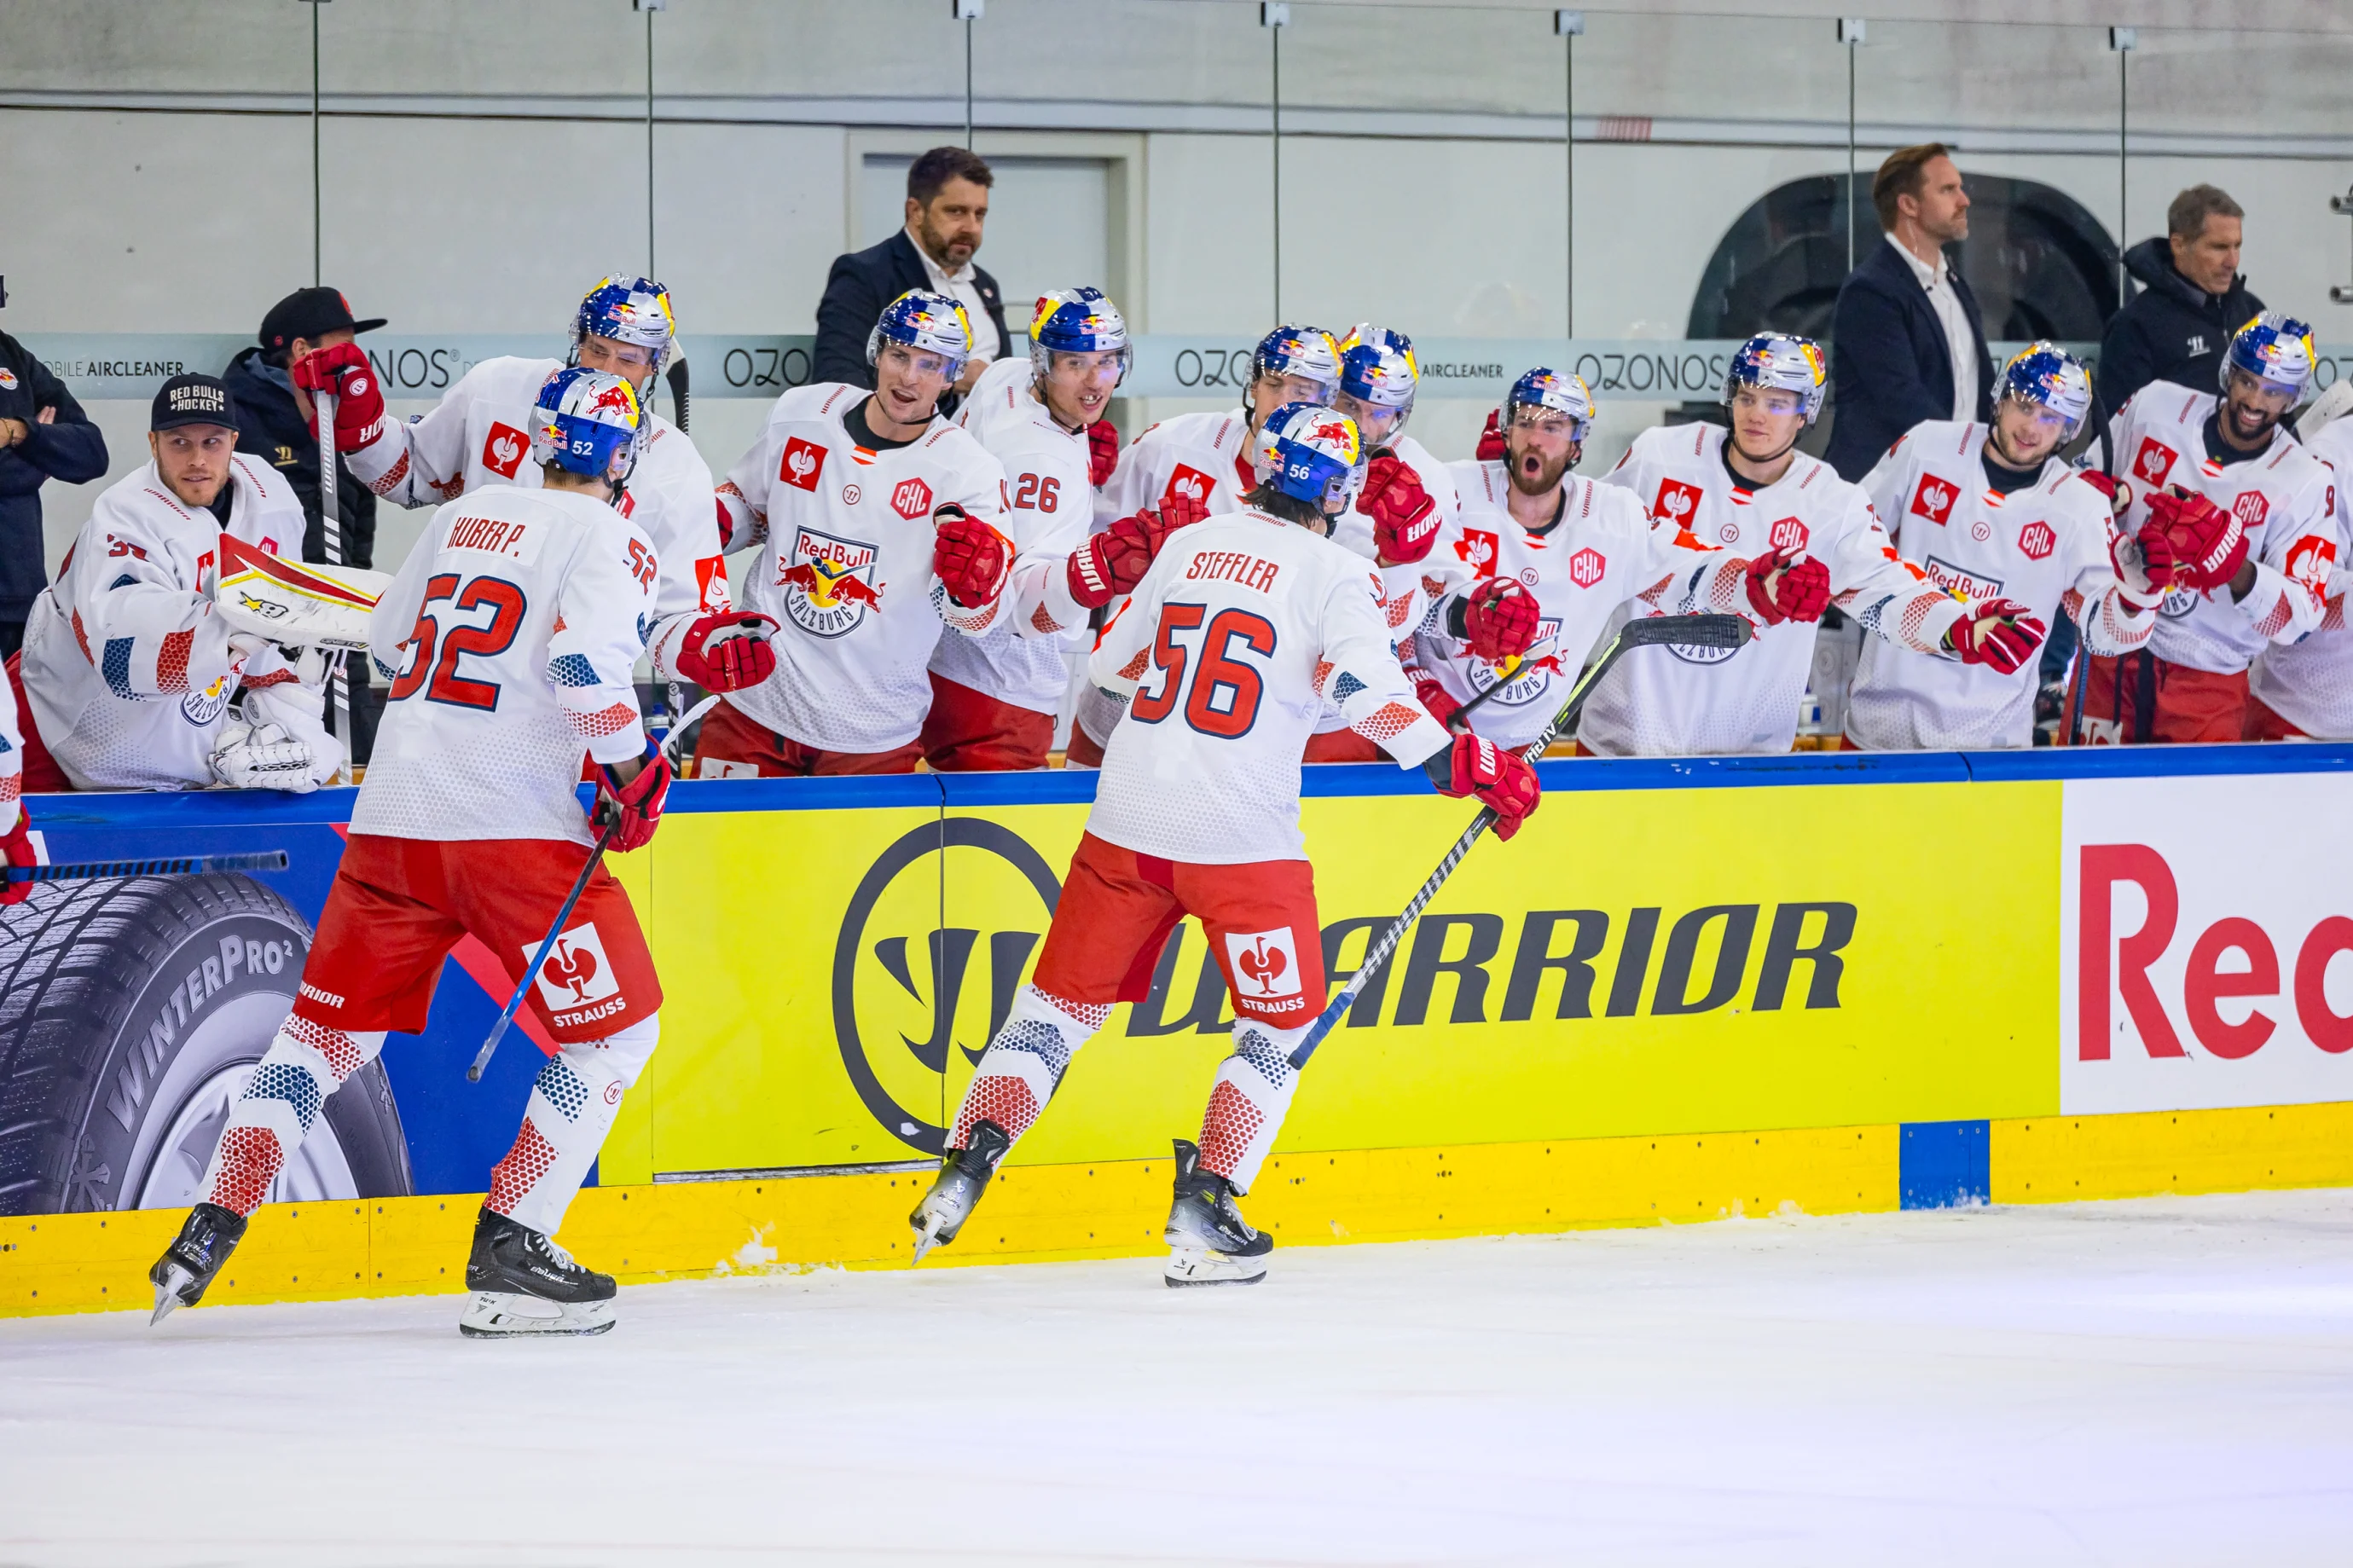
pixel 1405 517
pixel 2000 633
pixel 16 845
pixel 1498 620
pixel 636 805
pixel 2118 493
pixel 1498 776
pixel 1435 698
pixel 971 558
pixel 2203 546
pixel 1114 561
pixel 344 371
pixel 729 651
pixel 1102 451
pixel 1490 439
pixel 1786 586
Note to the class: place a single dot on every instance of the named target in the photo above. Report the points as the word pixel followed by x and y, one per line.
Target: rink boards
pixel 1686 990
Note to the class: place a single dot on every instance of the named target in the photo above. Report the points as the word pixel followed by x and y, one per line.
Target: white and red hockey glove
pixel 1499 777
pixel 1114 561
pixel 633 809
pixel 16 846
pixel 1436 700
pixel 1102 451
pixel 344 371
pixel 1786 586
pixel 1491 447
pixel 1405 517
pixel 2190 543
pixel 971 559
pixel 1497 619
pixel 2000 633
pixel 728 651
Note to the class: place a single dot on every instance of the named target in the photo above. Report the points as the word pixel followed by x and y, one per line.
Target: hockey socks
pixel 1249 1100
pixel 1024 1064
pixel 571 1109
pixel 305 1063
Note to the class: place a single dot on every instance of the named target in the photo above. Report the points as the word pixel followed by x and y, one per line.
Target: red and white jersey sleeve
pixel 1242 629
pixel 1195 455
pixel 845 541
pixel 1407 590
pixel 1604 553
pixel 128 670
pixel 2284 498
pixel 1049 513
pixel 2046 546
pixel 2309 682
pixel 511 632
pixel 1677 701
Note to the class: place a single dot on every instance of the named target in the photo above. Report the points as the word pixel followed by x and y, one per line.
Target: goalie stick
pixel 1690 631
pixel 180 866
pixel 330 532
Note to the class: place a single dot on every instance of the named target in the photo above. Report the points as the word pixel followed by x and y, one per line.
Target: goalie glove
pixel 633 810
pixel 971 559
pixel 1405 517
pixel 2000 633
pixel 1786 586
pixel 344 371
pixel 1102 452
pixel 1497 619
pixel 1114 561
pixel 2190 543
pixel 1499 778
pixel 728 651
pixel 267 757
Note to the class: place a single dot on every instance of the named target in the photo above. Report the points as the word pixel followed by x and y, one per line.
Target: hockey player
pixel 1751 488
pixel 1242 628
pixel 874 519
pixel 1582 552
pixel 2232 518
pixel 480 435
pixel 994 697
pixel 1994 514
pixel 466 824
pixel 2304 690
pixel 128 673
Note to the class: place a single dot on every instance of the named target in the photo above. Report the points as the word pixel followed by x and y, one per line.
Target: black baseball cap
pixel 309 314
pixel 193 400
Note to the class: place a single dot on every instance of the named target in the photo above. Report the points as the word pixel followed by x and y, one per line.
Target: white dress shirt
pixel 962 285
pixel 1960 343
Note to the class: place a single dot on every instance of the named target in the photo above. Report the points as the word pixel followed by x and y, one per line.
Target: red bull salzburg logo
pixel 829 583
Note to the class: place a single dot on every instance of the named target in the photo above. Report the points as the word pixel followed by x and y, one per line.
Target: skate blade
pixel 1190 1266
pixel 504 1315
pixel 167 1294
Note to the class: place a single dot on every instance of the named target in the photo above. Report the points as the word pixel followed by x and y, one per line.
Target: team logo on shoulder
pixel 2037 540
pixel 503 449
pixel 1962 580
pixel 1478 548
pixel 1934 499
pixel 911 499
pixel 1586 567
pixel 1187 483
pixel 2153 461
pixel 829 583
pixel 576 976
pixel 1677 502
pixel 1265 965
pixel 802 463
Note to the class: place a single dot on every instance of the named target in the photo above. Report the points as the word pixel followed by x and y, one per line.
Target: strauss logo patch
pixel 1265 965
pixel 503 449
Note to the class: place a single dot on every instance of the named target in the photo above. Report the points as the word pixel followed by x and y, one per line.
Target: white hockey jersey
pixel 2282 495
pixel 128 670
pixel 845 566
pixel 480 436
pixel 1673 701
pixel 1405 590
pixel 2309 683
pixel 1229 647
pixel 1604 552
pixel 2046 546
pixel 1051 510
pixel 510 635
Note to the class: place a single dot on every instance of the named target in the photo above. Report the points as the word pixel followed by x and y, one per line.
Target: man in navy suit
pixel 1907 342
pixel 947 204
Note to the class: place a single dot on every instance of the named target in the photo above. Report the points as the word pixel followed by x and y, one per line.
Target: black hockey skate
pixel 188 1267
pixel 526 1284
pixel 964 1176
pixel 1209 1242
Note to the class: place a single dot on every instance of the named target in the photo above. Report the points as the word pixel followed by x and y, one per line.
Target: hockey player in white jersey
pixel 478 436
pixel 876 520
pixel 2304 690
pixel 1242 629
pixel 1580 552
pixel 128 671
pixel 511 632
pixel 1995 514
pixel 2232 517
pixel 1749 488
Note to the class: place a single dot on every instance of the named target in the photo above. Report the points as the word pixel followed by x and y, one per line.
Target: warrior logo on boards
pixel 828 583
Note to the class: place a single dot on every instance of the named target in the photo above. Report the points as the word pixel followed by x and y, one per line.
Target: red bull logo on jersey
pixel 1265 965
pixel 1677 502
pixel 1934 499
pixel 1962 580
pixel 2153 461
pixel 801 464
pixel 503 449
pixel 911 499
pixel 828 583
pixel 1586 567
pixel 2037 540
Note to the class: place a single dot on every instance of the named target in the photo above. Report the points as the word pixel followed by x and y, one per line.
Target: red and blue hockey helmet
pixel 1549 389
pixel 1077 320
pixel 1379 370
pixel 2276 349
pixel 928 323
pixel 587 422
pixel 1779 362
pixel 1311 453
pixel 627 309
pixel 2045 374
pixel 1309 352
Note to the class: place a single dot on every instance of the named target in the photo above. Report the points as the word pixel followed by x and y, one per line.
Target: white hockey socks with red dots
pixel 1249 1100
pixel 1024 1064
pixel 571 1109
pixel 269 1118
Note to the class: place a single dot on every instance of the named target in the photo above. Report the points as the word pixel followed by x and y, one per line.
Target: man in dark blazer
pixel 1908 343
pixel 947 204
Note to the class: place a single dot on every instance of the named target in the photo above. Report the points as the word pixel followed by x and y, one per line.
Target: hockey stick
pixel 179 866
pixel 579 886
pixel 331 531
pixel 1503 678
pixel 1691 631
pixel 676 376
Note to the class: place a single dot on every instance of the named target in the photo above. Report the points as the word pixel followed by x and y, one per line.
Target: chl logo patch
pixel 911 499
pixel 1677 502
pixel 576 972
pixel 1934 499
pixel 829 583
pixel 2250 508
pixel 2153 461
pixel 1789 534
pixel 1265 965
pixel 1586 567
pixel 802 463
pixel 503 449
pixel 2037 540
pixel 1188 483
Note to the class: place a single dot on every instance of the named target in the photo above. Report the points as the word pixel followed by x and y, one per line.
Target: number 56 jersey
pixel 511 636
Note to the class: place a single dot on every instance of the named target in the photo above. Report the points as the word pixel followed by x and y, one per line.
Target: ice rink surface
pixel 2166 1381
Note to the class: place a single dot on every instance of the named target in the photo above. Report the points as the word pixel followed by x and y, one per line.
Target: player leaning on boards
pixel 1751 488
pixel 1581 551
pixel 2304 690
pixel 128 669
pixel 1994 513
pixel 2233 519
pixel 874 518
pixel 510 635
pixel 1241 631
pixel 480 436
